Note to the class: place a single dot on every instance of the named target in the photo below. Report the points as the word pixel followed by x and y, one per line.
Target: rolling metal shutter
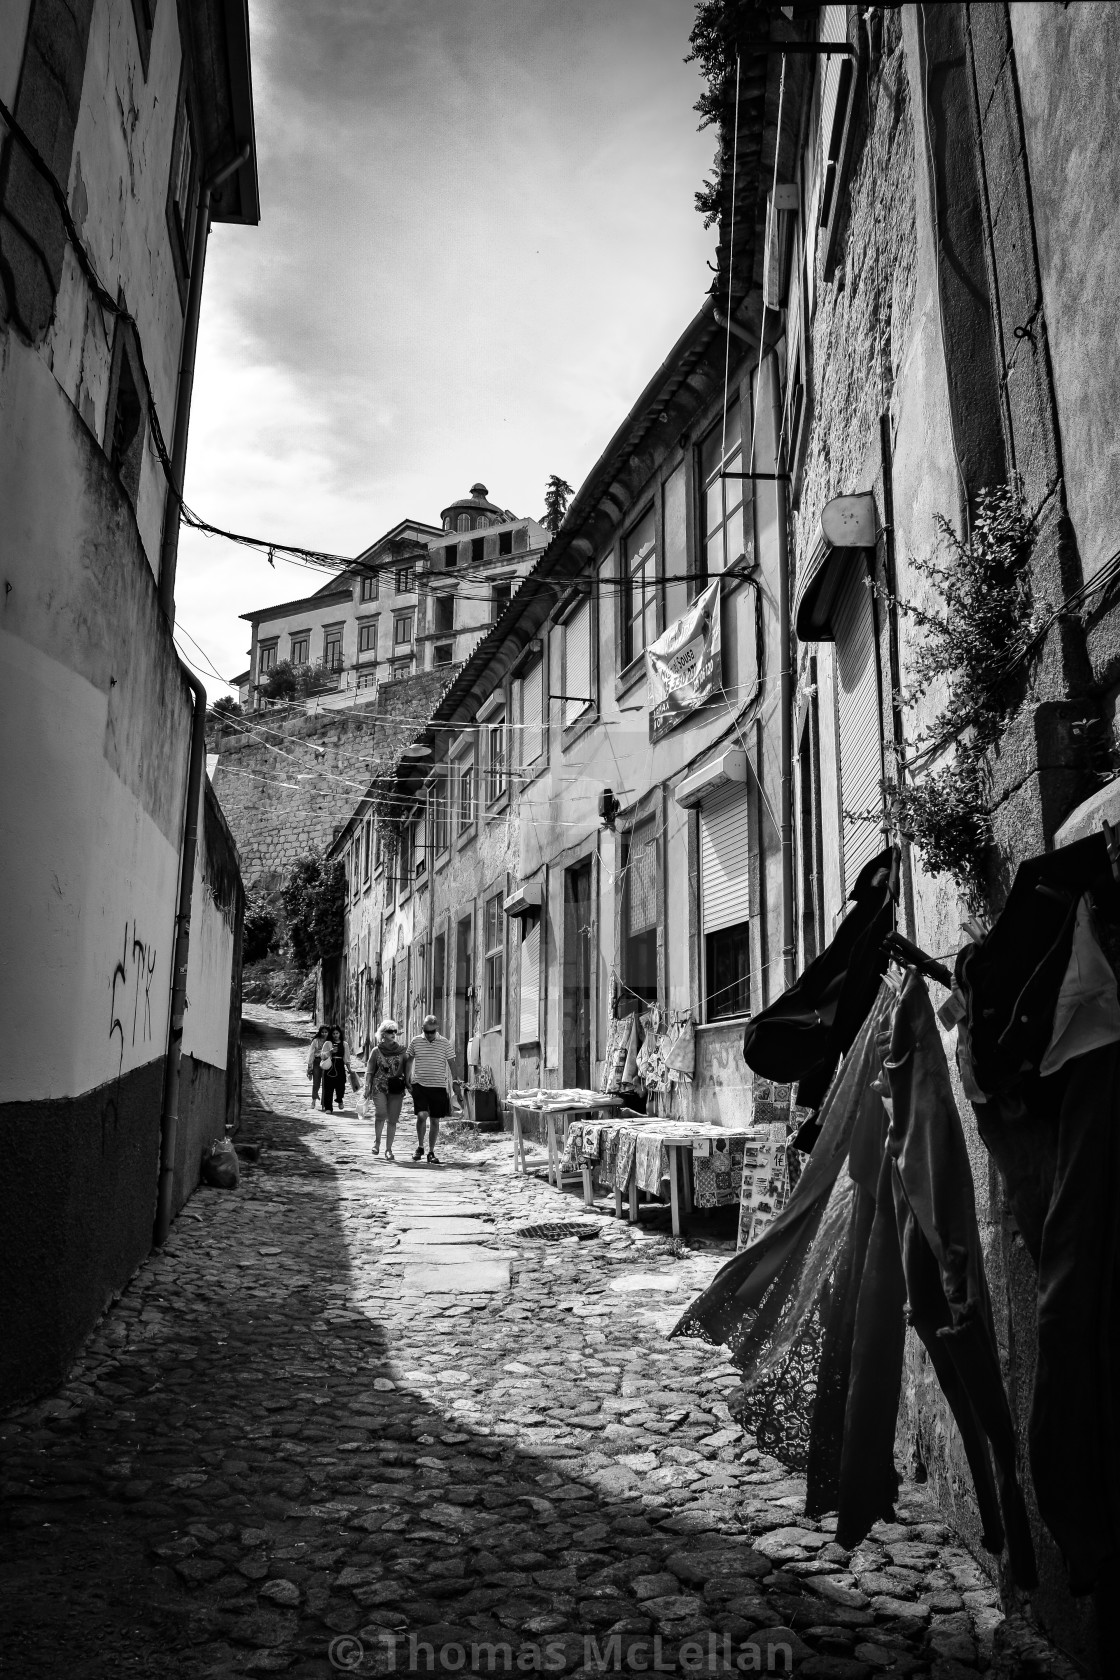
pixel 532 695
pixel 724 875
pixel 857 711
pixel 836 75
pixel 528 1025
pixel 577 663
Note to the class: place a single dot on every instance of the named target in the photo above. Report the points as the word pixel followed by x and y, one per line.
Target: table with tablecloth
pixel 706 1166
pixel 559 1107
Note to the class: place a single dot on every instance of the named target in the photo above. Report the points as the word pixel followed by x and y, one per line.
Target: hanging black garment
pixel 941 1263
pixel 777 1304
pixel 1056 1143
pixel 804 1033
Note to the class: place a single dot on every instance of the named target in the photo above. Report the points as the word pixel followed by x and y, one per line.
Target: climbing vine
pixel 973 643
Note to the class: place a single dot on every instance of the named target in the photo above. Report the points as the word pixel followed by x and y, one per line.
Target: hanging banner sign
pixel 683 666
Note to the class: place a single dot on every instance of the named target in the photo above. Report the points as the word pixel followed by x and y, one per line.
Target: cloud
pixel 477 241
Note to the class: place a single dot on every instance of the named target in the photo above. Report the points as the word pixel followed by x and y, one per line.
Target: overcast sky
pixel 477 242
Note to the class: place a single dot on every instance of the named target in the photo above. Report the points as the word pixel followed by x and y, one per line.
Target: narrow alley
pixel 304 1442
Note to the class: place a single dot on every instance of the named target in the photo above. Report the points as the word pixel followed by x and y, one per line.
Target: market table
pixel 673 1141
pixel 566 1104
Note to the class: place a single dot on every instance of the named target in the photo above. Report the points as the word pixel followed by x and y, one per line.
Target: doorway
pixel 577 975
pixel 464 991
pixel 439 980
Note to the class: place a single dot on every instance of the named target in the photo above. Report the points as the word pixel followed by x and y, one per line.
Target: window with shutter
pixel 528 1027
pixel 531 720
pixel 858 720
pixel 577 664
pixel 835 84
pixel 725 903
pixel 640 865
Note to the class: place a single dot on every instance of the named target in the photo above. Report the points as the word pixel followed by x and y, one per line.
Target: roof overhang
pixel 848 528
pixel 223 80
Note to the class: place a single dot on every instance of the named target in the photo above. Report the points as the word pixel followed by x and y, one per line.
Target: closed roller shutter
pixel 724 876
pixel 528 1028
pixel 532 695
pixel 577 663
pixel 836 75
pixel 857 708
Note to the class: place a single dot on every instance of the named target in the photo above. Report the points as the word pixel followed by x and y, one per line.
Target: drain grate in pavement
pixel 556 1232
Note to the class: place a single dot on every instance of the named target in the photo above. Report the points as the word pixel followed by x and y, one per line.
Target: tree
pixel 225 707
pixel 260 931
pixel 314 896
pixel 556 499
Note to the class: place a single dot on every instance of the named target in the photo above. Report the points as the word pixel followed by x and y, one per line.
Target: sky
pixel 477 242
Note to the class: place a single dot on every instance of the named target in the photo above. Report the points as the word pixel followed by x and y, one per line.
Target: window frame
pixel 368 588
pixel 180 227
pixel 706 481
pixel 367 825
pixel 408 573
pixel 496 727
pixel 631 836
pixel 440 597
pixel 333 633
pixel 494 962
pixel 540 758
pixel 507 584
pixel 127 463
pixel 466 797
pixel 733 1012
pixel 408 618
pixel 628 658
pixel 297 638
pixel 400 669
pixel 265 664
pixel 367 636
pixel 571 728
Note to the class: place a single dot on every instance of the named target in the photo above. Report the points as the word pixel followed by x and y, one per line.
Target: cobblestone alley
pixel 286 1450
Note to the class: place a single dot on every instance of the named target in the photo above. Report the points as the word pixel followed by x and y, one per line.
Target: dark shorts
pixel 430 1100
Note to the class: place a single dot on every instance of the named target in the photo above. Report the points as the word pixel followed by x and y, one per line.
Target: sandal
pixel 389 1156
pixel 434 1158
pixel 377 1149
pixel 419 1155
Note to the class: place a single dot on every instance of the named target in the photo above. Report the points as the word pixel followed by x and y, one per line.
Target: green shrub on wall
pixel 314 899
pixel 973 643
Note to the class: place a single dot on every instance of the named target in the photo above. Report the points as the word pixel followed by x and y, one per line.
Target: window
pixel 521 539
pixel 439 970
pixel 451 557
pixel 419 987
pixel 441 828
pixel 500 596
pixel 639 588
pixel 367 679
pixel 367 827
pixel 466 795
pixel 143 11
pixel 266 657
pixel 419 849
pixel 812 830
pixel 354 867
pixel 836 81
pixel 639 864
pixel 528 1023
pixel 406 580
pixel 402 630
pixel 399 669
pixel 495 761
pixel 377 856
pixel 478 550
pixel 405 858
pixel 443 653
pixel 530 716
pixel 505 542
pixel 367 637
pixel 463 523
pixel 332 649
pixel 724 508
pixel 725 903
pixel 128 413
pixel 577 664
pixel 494 925
pixel 180 191
pixel 367 588
pixel 443 613
pixel 301 647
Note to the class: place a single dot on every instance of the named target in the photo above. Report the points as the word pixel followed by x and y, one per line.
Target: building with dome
pixel 418 598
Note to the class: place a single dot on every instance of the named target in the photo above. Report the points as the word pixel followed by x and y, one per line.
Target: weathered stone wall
pixel 287 781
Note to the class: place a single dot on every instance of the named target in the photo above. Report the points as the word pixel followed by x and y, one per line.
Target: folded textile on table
pixel 717 1171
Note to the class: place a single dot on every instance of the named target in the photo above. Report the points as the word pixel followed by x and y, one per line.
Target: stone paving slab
pixel 276 1456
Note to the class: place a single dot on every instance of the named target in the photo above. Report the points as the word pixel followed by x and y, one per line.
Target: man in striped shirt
pixel 429 1057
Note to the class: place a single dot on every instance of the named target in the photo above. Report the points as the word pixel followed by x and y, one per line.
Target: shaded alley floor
pixel 303 1442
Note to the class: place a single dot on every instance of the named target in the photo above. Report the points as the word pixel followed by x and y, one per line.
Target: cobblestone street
pixel 305 1443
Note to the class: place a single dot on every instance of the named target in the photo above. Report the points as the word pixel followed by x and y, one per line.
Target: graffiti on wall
pixel 133 973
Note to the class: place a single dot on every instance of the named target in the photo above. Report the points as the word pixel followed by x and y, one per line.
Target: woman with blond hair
pixel 385 1085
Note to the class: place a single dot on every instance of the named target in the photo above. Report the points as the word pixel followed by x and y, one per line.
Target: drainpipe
pixel 169 1113
pixel 785 704
pixel 184 391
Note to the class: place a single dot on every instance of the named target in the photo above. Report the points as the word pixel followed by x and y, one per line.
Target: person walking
pixel 334 1077
pixel 385 1085
pixel 314 1064
pixel 430 1056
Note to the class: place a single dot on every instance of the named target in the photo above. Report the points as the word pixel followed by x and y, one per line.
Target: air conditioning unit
pixel 523 901
pixel 730 766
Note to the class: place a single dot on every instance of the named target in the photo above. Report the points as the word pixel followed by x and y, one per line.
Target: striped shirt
pixel 430 1060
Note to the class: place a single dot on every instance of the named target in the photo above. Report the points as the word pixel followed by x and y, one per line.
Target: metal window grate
pixel 555 1233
